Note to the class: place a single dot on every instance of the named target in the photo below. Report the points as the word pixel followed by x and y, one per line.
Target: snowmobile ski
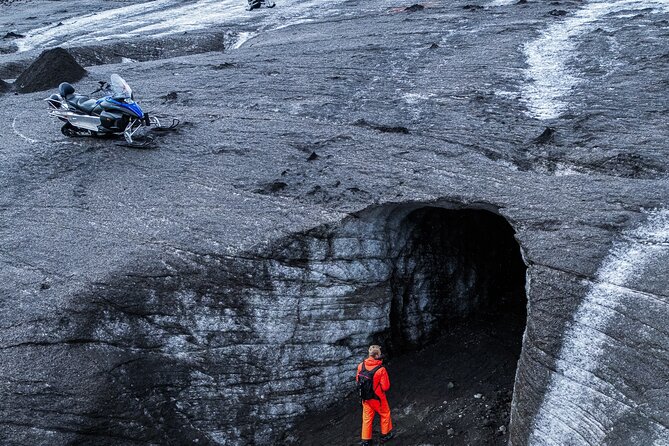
pixel 148 143
pixel 166 128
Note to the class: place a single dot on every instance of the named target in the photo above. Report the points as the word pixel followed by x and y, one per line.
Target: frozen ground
pixel 313 112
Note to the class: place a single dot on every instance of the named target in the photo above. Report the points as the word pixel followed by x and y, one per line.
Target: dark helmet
pixel 65 89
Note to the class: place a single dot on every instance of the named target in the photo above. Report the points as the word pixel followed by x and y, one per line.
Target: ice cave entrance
pixel 457 316
pixel 446 287
pixel 454 268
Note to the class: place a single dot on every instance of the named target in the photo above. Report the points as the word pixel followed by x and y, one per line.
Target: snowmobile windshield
pixel 120 88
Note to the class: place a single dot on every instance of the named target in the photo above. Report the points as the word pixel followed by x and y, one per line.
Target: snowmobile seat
pixel 80 101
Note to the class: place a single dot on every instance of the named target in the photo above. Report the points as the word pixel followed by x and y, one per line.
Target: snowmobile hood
pixel 131 106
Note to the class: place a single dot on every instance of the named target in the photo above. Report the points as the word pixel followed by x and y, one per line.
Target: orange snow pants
pixel 369 409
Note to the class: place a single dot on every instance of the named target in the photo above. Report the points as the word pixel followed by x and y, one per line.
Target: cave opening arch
pixel 452 267
pixel 442 288
pixel 456 319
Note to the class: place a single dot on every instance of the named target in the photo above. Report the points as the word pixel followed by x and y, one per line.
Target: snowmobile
pixel 253 4
pixel 115 114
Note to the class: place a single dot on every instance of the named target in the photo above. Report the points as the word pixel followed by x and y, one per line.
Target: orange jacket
pixel 381 380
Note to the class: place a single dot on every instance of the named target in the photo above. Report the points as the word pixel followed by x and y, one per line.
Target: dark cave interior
pixel 451 267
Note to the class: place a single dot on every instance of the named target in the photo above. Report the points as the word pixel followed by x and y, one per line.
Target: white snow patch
pixel 579 407
pixel 502 2
pixel 550 79
pixel 415 98
pixel 295 22
pixel 242 38
pixel 564 170
pixel 161 18
pixel 88 27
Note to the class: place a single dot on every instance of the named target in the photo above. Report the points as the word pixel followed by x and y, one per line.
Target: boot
pixel 386 438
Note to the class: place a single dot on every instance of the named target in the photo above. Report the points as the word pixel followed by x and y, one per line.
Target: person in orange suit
pixel 373 383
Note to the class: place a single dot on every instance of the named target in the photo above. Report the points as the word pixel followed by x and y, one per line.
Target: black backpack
pixel 366 383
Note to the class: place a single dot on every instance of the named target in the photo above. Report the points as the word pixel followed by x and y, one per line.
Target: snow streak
pixel 159 18
pixel 580 407
pixel 550 78
pixel 502 2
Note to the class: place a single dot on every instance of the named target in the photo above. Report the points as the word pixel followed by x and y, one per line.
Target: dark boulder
pixel 546 136
pixel 13 35
pixel 4 86
pixel 414 8
pixel 381 128
pixel 558 12
pixel 50 69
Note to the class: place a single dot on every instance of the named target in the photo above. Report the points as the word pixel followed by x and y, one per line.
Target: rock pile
pixel 50 69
